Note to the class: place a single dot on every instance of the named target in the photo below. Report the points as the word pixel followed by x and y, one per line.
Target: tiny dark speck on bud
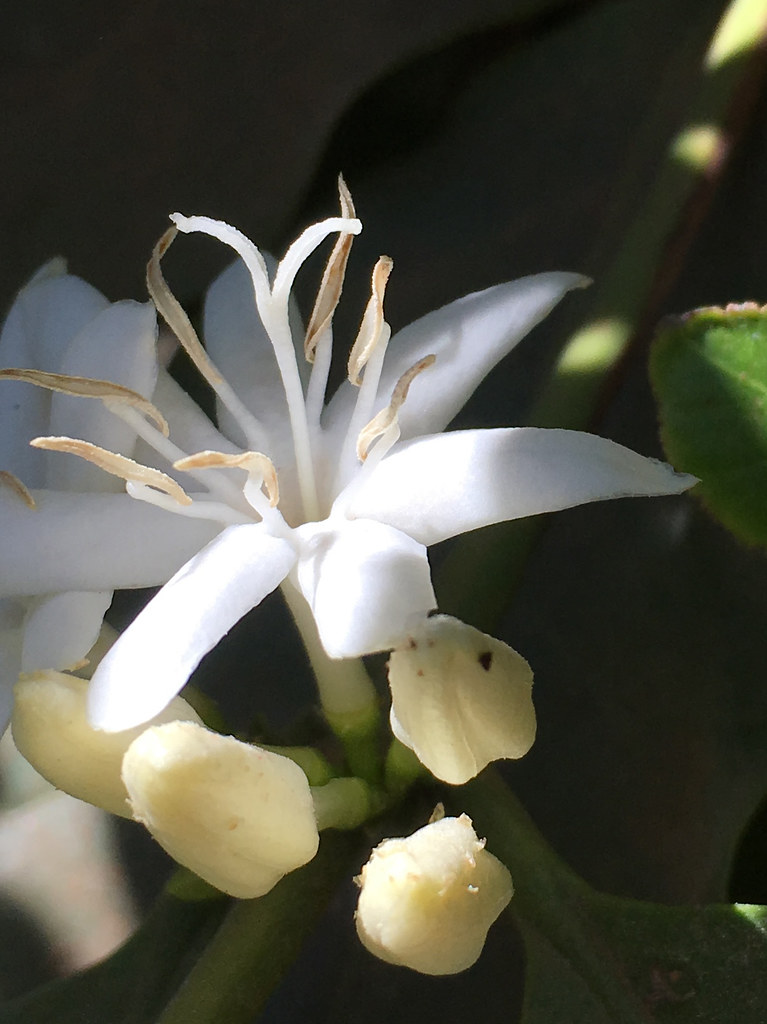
pixel 486 660
pixel 411 643
pixel 419 672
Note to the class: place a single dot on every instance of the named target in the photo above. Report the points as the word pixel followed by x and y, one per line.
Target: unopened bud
pixel 427 902
pixel 51 730
pixel 460 698
pixel 238 816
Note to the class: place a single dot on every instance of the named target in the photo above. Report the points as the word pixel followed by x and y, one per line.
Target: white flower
pixel 427 901
pixel 62 325
pixel 337 503
pixel 238 816
pixel 460 698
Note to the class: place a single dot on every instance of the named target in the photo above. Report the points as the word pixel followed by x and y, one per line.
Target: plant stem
pixel 348 697
pixel 258 940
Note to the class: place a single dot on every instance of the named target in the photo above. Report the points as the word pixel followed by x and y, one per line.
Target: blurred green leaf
pixel 197 960
pixel 709 371
pixel 133 985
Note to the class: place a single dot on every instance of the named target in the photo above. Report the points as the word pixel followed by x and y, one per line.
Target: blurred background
pixel 481 142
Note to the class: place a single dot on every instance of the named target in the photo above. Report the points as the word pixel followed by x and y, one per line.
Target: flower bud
pixel 460 698
pixel 238 816
pixel 428 901
pixel 51 730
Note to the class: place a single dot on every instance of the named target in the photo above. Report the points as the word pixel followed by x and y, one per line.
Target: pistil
pixel 272 304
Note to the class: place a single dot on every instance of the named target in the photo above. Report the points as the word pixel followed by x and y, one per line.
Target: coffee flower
pixel 336 502
pixel 238 816
pixel 460 698
pixel 427 901
pixel 50 615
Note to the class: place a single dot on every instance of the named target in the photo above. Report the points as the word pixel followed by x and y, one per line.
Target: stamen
pixel 88 387
pixel 332 282
pixel 371 327
pixel 173 312
pixel 387 418
pixel 21 490
pixel 116 465
pixel 254 463
pixel 200 508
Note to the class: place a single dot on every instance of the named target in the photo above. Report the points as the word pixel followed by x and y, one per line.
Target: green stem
pixel 257 941
pixel 343 803
pixel 628 297
pixel 348 697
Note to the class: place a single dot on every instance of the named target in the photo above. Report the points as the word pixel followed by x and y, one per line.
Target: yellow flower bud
pixel 427 901
pixel 238 816
pixel 51 730
pixel 460 698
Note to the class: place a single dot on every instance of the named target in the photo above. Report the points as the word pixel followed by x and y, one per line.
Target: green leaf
pixel 695 964
pixel 709 371
pixel 593 958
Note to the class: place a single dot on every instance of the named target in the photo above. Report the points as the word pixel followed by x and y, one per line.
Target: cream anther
pixel 19 489
pixel 383 421
pixel 255 464
pixel 116 465
pixel 111 394
pixel 332 283
pixel 371 328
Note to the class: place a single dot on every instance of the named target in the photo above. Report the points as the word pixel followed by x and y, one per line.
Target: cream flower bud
pixel 51 730
pixel 427 902
pixel 238 816
pixel 460 698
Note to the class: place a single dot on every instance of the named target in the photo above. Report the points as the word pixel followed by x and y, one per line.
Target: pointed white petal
pixel 468 337
pixel 60 629
pixel 365 583
pixel 158 652
pixel 46 315
pixel 91 542
pixel 437 487
pixel 118 345
pixel 190 428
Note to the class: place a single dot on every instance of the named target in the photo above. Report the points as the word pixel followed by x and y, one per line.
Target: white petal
pixel 440 486
pixel 60 629
pixel 468 337
pixel 118 345
pixel 91 542
pixel 46 315
pixel 365 583
pixel 158 652
pixel 190 428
